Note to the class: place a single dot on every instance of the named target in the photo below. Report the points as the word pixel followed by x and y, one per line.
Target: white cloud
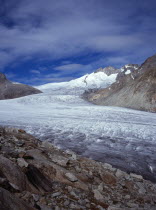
pixel 69 67
pixel 63 29
pixel 35 71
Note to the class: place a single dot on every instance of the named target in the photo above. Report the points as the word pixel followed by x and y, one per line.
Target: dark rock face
pixel 12 173
pixel 38 179
pixel 9 90
pixel 134 89
pixel 150 63
pixel 10 202
pixel 2 78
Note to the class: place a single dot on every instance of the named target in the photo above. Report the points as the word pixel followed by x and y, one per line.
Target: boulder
pixel 13 173
pixel 71 177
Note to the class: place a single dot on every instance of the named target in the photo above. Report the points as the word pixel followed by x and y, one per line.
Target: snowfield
pixel 122 137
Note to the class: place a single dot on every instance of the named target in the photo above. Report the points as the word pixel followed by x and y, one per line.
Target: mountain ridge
pixel 10 90
pixel 136 90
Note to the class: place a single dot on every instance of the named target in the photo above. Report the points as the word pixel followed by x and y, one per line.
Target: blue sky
pixel 44 41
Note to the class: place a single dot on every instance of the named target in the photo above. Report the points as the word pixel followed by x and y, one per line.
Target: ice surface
pixel 123 137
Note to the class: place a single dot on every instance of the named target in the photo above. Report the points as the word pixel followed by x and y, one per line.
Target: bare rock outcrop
pixel 108 70
pixel 9 90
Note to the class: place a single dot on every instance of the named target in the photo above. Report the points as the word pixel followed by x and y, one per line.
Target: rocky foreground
pixel 36 175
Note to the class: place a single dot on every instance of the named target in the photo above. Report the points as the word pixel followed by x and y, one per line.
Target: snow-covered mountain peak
pixel 94 80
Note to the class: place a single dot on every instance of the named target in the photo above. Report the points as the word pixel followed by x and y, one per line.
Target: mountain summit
pixel 108 70
pixel 3 79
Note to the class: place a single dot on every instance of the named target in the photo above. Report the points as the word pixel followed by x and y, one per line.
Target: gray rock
pixel 57 208
pixel 127 197
pixel 100 207
pixel 107 166
pixel 69 188
pixel 136 176
pixel 74 206
pixel 66 203
pixel 132 205
pixel 98 195
pixel 44 207
pixel 82 202
pixel 14 186
pixel 142 190
pixel 115 208
pixel 71 177
pixel 73 194
pixel 22 163
pixel 3 180
pixel 47 145
pixel 78 169
pixel 56 194
pixel 88 205
pixel 119 173
pixel 60 160
pixel 73 157
pixel 36 197
pixel 20 143
pixel 100 187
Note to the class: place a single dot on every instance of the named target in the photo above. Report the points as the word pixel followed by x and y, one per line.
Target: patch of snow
pixel 16 83
pixel 122 69
pixel 132 76
pixel 127 72
pixel 127 66
pixel 151 168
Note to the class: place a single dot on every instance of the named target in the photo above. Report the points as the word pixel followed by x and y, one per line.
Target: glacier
pixel 122 137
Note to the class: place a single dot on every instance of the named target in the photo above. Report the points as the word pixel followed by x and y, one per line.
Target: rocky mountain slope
pixel 36 175
pixel 134 88
pixel 108 70
pixel 9 90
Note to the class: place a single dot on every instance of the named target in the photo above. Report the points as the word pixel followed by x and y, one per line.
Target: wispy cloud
pixel 35 71
pixel 68 67
pixel 53 30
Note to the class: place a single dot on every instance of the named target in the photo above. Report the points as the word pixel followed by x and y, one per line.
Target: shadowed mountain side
pixel 9 90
